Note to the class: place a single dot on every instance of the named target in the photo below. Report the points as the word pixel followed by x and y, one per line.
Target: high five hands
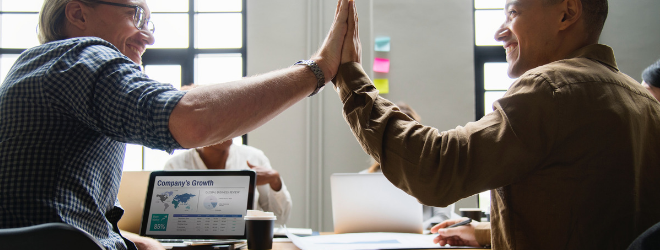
pixel 342 44
pixel 352 49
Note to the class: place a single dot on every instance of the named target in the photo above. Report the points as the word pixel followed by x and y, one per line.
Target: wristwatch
pixel 320 83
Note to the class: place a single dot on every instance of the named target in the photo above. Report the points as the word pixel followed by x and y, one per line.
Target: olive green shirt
pixel 571 154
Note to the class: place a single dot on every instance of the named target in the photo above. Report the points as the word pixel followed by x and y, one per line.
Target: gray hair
pixel 52 20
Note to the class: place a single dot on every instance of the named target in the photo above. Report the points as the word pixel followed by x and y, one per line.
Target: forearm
pixel 437 168
pixel 211 114
pixel 382 130
pixel 142 243
pixel 276 183
pixel 280 203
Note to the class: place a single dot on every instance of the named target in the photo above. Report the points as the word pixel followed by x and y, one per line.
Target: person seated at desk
pixel 70 105
pixel 271 193
pixel 651 79
pixel 570 152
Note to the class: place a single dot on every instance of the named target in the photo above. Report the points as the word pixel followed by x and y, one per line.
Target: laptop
pixel 132 191
pixel 370 203
pixel 197 207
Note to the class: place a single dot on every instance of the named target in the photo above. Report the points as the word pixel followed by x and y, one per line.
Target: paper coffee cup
pixel 259 227
pixel 472 213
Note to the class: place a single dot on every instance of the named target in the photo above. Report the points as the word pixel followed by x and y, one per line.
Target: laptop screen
pixel 197 204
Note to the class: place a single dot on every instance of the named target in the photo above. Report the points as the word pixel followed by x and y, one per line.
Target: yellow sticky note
pixel 383 85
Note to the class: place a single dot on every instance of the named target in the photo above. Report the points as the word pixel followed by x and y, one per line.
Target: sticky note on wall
pixel 382 43
pixel 381 65
pixel 383 85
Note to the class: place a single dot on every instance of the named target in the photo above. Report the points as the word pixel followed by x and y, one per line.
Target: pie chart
pixel 210 202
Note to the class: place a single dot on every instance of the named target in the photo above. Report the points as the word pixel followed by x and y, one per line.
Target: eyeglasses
pixel 139 19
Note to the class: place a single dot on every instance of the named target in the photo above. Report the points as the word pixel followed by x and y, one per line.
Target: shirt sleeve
pixel 100 87
pixel 482 233
pixel 440 168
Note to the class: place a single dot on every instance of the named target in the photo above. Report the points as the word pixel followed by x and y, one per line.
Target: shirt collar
pixel 599 52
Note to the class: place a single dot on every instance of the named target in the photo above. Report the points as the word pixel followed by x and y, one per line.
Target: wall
pixel 277 37
pixel 631 30
pixel 311 141
pixel 432 69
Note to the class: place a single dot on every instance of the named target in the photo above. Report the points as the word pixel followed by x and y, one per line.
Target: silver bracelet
pixel 320 83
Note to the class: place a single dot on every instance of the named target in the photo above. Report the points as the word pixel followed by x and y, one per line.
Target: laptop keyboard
pixel 192 240
pixel 170 240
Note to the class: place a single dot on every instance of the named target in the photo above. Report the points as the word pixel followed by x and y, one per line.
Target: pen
pixel 465 222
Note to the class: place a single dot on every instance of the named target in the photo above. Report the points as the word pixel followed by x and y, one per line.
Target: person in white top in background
pixel 271 194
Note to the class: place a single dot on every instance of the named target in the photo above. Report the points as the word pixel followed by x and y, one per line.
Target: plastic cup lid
pixel 260 215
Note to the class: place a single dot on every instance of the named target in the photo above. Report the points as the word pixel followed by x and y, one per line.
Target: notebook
pixel 197 207
pixel 370 203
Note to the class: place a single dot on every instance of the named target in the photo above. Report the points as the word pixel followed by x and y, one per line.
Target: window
pixel 18 30
pixel 489 57
pixel 491 77
pixel 190 47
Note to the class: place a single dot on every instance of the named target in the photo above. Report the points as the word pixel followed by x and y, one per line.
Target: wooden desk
pixel 284 246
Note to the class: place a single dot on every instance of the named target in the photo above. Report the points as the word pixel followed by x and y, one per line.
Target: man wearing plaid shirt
pixel 68 106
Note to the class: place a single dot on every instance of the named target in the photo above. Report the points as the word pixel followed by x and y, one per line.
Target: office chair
pixel 648 240
pixel 52 236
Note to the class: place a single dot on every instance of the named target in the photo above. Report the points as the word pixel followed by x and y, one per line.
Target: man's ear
pixel 572 12
pixel 74 13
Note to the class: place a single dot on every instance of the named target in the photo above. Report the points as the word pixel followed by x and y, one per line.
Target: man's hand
pixel 458 236
pixel 142 243
pixel 267 176
pixel 352 50
pixel 329 55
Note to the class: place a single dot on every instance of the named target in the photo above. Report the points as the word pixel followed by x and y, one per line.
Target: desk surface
pixel 287 246
pixel 284 246
pixel 291 246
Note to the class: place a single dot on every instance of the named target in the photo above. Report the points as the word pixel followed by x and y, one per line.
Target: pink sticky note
pixel 381 65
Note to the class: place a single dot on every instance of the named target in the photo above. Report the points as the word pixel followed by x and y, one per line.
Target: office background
pixel 432 69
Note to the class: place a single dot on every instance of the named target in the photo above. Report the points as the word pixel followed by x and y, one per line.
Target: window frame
pixel 177 56
pixel 14 51
pixel 186 56
pixel 483 55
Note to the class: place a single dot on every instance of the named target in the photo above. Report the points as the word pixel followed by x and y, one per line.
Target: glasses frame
pixel 139 19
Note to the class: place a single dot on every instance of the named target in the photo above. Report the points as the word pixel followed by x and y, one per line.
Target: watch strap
pixel 320 83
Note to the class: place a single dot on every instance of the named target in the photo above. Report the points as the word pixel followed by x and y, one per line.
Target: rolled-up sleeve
pixel 113 96
pixel 439 168
pixel 482 233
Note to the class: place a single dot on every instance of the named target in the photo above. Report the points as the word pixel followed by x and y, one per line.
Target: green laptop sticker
pixel 159 222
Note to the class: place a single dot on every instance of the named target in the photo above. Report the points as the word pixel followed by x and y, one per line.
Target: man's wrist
pixel 318 73
pixel 276 182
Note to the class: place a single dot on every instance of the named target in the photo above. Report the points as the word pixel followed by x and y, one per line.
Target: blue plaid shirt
pixel 67 108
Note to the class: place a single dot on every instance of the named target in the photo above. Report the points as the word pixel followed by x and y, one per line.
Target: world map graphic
pixel 176 201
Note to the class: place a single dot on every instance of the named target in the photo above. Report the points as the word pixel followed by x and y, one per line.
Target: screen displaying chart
pixel 198 205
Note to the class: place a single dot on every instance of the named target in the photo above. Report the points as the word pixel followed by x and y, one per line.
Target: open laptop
pixel 197 207
pixel 370 203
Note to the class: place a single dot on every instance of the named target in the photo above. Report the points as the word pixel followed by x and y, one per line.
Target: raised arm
pixel 211 114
